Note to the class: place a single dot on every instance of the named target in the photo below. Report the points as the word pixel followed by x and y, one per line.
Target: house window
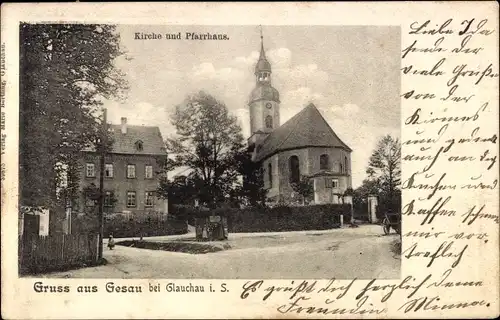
pixel 148 173
pixel 131 199
pixel 108 199
pixel 346 165
pixel 323 162
pixel 89 200
pixel 108 170
pixel 269 122
pixel 90 170
pixel 149 200
pixel 294 169
pixel 131 171
pixel 335 183
pixel 341 168
pixel 270 175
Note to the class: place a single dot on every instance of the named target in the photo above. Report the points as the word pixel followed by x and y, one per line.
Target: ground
pixel 363 253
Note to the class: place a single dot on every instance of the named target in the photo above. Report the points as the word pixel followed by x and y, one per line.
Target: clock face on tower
pixel 269 105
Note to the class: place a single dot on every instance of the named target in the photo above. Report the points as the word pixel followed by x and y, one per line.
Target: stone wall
pixel 309 163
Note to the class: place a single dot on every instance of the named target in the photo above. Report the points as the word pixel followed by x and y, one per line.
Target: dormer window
pixel 139 145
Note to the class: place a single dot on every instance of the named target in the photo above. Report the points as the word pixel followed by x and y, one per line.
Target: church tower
pixel 264 101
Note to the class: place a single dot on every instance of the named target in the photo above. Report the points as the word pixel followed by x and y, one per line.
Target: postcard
pixel 250 160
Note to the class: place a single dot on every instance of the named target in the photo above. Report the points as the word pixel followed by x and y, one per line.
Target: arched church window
pixel 270 175
pixel 294 166
pixel 323 162
pixel 269 122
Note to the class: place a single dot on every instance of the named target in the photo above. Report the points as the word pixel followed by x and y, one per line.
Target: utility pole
pixel 102 151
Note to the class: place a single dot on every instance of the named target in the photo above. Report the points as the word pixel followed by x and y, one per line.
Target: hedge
pixel 281 218
pixel 147 225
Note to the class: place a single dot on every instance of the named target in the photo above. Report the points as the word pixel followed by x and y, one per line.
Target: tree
pixel 251 191
pixel 208 139
pixel 182 190
pixel 360 195
pixel 66 70
pixel 385 163
pixel 304 188
pixel 384 171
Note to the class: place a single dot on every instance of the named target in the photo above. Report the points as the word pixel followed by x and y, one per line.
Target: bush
pixel 147 226
pixel 283 218
pixel 121 225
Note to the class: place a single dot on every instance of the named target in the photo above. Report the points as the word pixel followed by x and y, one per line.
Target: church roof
pixel 307 128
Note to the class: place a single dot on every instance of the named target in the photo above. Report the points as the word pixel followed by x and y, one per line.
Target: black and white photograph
pixel 208 152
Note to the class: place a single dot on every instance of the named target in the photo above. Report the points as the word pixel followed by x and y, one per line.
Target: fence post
pixel 63 248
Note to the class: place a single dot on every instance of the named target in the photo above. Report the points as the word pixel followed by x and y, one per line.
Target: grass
pixel 174 246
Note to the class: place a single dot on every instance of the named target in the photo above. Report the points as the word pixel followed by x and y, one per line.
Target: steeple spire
pixel 263 67
pixel 262 51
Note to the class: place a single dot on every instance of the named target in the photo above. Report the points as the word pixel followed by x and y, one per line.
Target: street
pixel 346 253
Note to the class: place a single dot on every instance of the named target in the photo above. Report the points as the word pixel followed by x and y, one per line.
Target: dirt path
pixel 342 253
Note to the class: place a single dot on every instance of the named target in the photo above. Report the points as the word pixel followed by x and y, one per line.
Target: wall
pixel 285 189
pixel 258 113
pixel 120 184
pixel 274 191
pixel 309 162
pixel 324 194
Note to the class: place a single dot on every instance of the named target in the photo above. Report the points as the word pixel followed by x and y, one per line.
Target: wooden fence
pixel 38 254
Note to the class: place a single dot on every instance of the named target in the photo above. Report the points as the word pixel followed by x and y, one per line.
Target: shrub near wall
pixel 147 225
pixel 315 217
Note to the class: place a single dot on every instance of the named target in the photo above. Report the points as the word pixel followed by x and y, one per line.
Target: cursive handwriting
pixel 296 307
pixel 444 282
pixel 478 74
pixel 433 187
pixel 471 216
pixel 431 304
pixel 424 28
pixel 437 209
pixel 295 289
pixel 443 251
pixel 414 119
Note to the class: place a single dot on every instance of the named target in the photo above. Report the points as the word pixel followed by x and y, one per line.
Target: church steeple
pixel 264 100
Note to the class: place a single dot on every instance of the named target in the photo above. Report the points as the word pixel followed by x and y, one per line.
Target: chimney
pixel 124 125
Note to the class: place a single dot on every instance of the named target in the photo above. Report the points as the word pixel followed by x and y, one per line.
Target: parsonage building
pixel 131 172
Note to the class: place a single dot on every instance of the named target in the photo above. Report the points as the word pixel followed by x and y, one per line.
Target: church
pixel 303 147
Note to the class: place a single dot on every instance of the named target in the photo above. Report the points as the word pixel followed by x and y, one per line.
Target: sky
pixel 351 73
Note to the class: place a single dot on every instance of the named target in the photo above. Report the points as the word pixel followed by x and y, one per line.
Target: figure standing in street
pixel 111 242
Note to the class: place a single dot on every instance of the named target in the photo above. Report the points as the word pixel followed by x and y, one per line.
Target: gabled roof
pixel 307 128
pixel 152 141
pixel 126 143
